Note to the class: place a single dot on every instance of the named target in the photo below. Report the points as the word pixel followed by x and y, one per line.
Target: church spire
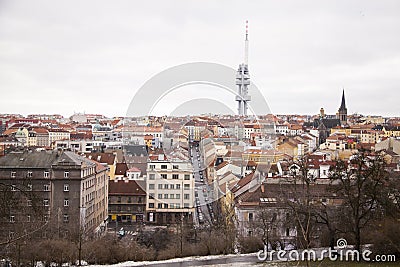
pixel 343 104
pixel 342 112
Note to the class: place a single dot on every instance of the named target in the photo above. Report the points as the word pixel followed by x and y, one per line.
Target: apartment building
pixel 53 193
pixel 127 201
pixel 170 190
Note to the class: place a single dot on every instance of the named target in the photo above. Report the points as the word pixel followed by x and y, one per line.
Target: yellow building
pixel 262 156
pixel 341 130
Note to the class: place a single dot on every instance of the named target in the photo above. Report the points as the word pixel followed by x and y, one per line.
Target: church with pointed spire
pixel 342 112
pixel 325 123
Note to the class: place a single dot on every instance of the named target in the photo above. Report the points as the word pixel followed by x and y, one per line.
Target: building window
pixel 152 167
pixel 165 206
pixel 186 196
pixel 164 167
pixel 172 196
pixel 187 176
pixel 186 186
pixel 13 187
pixel 139 199
pixel 119 199
pixel 11 235
pixel 13 174
pixel 29 174
pixel 46 187
pixel 164 176
pixel 178 186
pixel 166 186
pixel 151 195
pixel 46 174
pixel 66 174
pixel 66 187
pixel 28 218
pixel 178 196
pixel 159 196
pixel 250 217
pixel 160 186
pixel 159 205
pixel 175 176
pixel 175 167
pixel 66 202
pixel 171 186
pixel 66 218
pixel 29 203
pixel 12 219
pixel 29 187
pixel 152 176
pixel 46 202
pixel 186 205
pixel 151 205
pixel 177 205
pixel 129 199
pixel 165 196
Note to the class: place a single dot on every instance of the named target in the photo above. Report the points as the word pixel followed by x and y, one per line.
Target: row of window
pixel 46 187
pixel 170 186
pixel 46 174
pixel 139 199
pixel 45 218
pixel 152 176
pixel 164 166
pixel 173 196
pixel 169 206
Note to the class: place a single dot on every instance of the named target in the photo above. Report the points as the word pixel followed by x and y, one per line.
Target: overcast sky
pixel 91 56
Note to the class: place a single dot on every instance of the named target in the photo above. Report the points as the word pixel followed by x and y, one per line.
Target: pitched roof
pixel 125 188
pixel 121 169
pixel 107 158
pixel 242 182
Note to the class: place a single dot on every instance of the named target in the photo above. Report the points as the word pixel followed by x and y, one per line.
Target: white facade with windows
pixel 170 188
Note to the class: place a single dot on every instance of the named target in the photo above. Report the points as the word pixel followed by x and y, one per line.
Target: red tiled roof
pixel 125 188
pixel 242 182
pixel 107 158
pixel 121 169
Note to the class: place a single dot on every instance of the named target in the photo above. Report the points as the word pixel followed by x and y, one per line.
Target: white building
pixel 170 191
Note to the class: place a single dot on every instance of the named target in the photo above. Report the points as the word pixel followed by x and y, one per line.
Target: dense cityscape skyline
pixel 199 132
pixel 57 58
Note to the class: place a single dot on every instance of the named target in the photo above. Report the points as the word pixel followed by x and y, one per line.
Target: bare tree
pixel 296 192
pixel 363 184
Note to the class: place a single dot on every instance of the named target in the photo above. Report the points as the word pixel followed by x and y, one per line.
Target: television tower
pixel 243 79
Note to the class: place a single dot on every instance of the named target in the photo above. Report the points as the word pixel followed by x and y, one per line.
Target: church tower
pixel 342 112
